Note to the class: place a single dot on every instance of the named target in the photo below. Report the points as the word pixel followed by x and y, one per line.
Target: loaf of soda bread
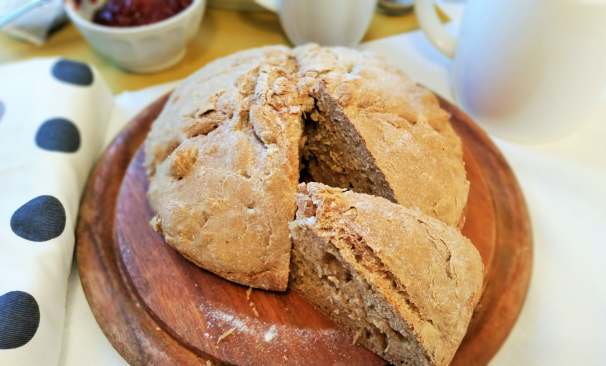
pixel 225 155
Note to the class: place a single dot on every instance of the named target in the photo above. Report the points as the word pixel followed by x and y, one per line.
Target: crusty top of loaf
pixel 224 166
pixel 367 82
pixel 400 122
pixel 209 97
pixel 439 270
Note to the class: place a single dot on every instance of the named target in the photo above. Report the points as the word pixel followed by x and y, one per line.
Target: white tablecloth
pixel 564 319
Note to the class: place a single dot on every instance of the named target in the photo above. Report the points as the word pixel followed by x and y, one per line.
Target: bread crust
pixel 224 195
pixel 437 272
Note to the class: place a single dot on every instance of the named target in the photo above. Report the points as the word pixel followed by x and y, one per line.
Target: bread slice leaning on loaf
pixel 401 283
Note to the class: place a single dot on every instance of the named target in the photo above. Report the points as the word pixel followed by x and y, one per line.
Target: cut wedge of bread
pixel 402 283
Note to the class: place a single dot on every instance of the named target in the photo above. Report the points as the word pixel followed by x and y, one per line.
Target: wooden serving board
pixel 156 308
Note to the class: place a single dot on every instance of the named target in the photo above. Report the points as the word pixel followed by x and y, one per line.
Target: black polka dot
pixel 40 219
pixel 73 72
pixel 19 319
pixel 1 110
pixel 58 134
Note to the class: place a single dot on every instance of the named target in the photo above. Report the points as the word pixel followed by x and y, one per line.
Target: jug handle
pixel 270 5
pixel 433 28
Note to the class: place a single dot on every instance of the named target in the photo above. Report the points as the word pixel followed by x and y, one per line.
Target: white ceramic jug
pixel 527 70
pixel 326 22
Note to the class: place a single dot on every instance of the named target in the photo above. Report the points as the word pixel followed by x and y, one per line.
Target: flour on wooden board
pixel 266 335
pixel 271 334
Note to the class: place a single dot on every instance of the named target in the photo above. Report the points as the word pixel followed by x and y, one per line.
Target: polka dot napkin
pixel 53 116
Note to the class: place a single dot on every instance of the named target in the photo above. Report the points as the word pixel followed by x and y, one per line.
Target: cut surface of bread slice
pixel 401 283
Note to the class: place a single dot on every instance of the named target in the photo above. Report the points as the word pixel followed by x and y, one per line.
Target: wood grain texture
pixel 156 308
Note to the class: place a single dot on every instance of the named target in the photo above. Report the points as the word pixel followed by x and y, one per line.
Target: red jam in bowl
pixel 132 13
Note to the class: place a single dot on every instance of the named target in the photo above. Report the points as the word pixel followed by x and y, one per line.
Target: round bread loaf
pixel 224 156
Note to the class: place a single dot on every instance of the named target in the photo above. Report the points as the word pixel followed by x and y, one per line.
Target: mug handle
pixel 433 28
pixel 268 4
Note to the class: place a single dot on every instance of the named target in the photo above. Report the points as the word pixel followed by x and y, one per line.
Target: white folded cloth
pixel 83 340
pixel 35 25
pixel 52 115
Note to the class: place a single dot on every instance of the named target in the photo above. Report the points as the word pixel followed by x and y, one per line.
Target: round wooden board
pixel 156 308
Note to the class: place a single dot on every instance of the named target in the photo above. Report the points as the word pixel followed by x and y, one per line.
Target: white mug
pixel 326 22
pixel 527 70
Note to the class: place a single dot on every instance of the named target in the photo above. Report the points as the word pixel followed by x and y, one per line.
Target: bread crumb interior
pixel 333 153
pixel 321 274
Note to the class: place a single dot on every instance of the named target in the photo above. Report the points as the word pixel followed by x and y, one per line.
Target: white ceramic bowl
pixel 141 49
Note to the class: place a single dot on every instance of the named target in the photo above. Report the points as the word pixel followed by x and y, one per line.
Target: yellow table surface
pixel 221 33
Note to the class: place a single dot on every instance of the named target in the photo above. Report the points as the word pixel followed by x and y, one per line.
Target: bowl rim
pixel 80 20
